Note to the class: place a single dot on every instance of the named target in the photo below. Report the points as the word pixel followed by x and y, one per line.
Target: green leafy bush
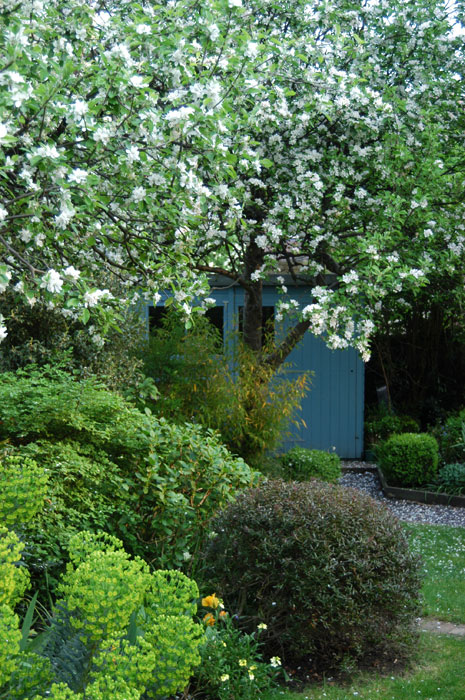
pixel 382 425
pixel 109 635
pixel 251 406
pixel 326 568
pixel 43 336
pixel 451 479
pixel 409 459
pixel 23 485
pixel 451 438
pixel 302 464
pixel 113 468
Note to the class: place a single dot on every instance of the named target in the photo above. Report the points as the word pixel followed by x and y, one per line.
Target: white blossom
pixel 52 281
pixel 138 194
pixel 72 273
pixel 91 299
pixel 143 29
pixel 79 108
pixel 78 176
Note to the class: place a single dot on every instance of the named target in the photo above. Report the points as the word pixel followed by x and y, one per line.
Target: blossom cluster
pixel 244 136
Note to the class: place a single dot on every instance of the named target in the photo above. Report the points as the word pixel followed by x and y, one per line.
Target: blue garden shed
pixel 333 409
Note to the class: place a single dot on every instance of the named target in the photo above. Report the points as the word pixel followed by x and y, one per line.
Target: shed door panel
pixel 333 408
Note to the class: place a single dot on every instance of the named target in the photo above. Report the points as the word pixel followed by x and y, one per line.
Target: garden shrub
pixel 409 459
pixel 301 464
pixel 451 438
pixel 382 425
pixel 326 568
pixel 107 636
pixel 111 467
pixel 43 336
pixel 451 479
pixel 23 485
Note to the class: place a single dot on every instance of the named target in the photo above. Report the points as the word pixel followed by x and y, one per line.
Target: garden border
pixel 403 494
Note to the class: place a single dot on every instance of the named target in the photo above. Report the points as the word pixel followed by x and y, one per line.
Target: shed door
pixel 333 408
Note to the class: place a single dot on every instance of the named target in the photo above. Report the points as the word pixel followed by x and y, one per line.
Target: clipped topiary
pixel 301 464
pixel 326 568
pixel 409 459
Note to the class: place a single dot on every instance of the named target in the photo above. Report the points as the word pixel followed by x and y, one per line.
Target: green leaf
pixel 85 315
pixel 27 622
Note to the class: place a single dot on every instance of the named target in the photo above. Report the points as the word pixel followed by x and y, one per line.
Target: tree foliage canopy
pixel 247 137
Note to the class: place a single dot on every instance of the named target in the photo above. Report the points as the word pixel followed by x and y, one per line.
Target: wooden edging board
pixel 420 496
pixel 402 494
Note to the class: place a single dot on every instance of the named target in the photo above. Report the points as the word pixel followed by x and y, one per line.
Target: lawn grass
pixel 439 674
pixel 442 549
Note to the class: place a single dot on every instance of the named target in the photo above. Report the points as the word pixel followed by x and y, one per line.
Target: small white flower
pixel 71 272
pixel 252 49
pixel 52 281
pixel 235 3
pixel 175 116
pixel 78 176
pixel 3 132
pixel 143 29
pixel 262 626
pixel 92 298
pixel 138 194
pixel 3 214
pixel 3 330
pixel 6 275
pixel 214 32
pixel 79 108
pixel 48 152
pixel 132 154
pixel 137 81
pixel 275 661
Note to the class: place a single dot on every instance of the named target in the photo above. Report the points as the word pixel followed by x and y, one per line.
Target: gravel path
pixel 405 510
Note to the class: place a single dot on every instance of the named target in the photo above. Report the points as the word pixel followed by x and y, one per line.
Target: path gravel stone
pixel 410 511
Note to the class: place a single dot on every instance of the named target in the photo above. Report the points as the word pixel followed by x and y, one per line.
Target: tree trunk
pixel 253 299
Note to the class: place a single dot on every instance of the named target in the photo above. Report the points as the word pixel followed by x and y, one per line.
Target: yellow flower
pixel 262 626
pixel 211 601
pixel 224 677
pixel 223 613
pixel 209 619
pixel 242 662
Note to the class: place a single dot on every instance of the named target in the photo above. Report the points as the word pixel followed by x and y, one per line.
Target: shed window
pixel 215 315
